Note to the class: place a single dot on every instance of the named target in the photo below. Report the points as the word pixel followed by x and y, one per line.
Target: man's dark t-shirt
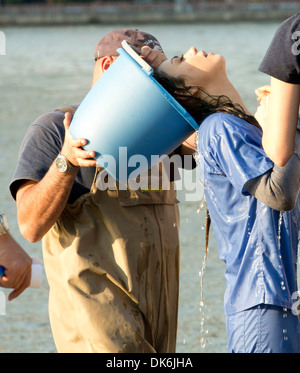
pixel 41 145
pixel 282 59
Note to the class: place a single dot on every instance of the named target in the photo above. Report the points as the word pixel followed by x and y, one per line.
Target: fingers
pixel 67 121
pixel 77 143
pixel 145 51
pixel 262 92
pixel 264 89
pixel 68 137
pixel 262 111
pixel 19 290
pixel 72 148
pixel 83 157
pixel 153 56
pixel 14 294
pixel 80 157
pixel 18 279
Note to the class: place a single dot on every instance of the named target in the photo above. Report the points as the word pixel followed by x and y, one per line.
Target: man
pixel 15 261
pixel 111 256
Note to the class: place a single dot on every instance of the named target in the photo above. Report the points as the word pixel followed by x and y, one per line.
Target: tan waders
pixel 112 263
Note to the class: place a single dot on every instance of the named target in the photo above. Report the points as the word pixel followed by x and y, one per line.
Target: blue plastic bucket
pixel 128 113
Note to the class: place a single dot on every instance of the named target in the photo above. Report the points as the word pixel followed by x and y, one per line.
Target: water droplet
pixel 202 342
pixel 202 305
pixel 282 284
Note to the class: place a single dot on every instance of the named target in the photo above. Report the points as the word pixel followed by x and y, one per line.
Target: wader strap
pixel 94 184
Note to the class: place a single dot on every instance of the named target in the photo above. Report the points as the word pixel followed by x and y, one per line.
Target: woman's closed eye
pixel 180 59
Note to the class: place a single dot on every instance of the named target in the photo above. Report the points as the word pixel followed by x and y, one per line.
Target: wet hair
pixel 200 108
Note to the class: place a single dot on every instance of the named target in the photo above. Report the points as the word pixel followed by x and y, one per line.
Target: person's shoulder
pixel 56 115
pixel 219 121
pixel 52 120
pixel 47 118
pixel 212 128
pixel 285 31
pixel 291 23
pixel 219 126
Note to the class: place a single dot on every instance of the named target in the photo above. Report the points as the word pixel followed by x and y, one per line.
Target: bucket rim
pixel 165 94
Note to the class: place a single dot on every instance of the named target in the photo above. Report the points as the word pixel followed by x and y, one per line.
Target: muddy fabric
pixel 112 263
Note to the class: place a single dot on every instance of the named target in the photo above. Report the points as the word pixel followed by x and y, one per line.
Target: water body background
pixel 49 67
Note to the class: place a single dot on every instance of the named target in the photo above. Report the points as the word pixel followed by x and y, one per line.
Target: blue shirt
pixel 260 265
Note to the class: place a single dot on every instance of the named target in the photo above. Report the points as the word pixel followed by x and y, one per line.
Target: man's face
pixel 153 57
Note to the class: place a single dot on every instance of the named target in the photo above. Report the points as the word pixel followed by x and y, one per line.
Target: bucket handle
pixel 132 51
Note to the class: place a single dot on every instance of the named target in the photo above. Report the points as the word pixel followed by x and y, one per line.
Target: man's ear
pixel 101 65
pixel 106 62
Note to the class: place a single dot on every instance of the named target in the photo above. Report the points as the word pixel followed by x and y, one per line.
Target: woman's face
pixel 197 68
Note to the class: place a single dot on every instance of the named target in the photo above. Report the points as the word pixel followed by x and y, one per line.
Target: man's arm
pixel 39 204
pixel 279 134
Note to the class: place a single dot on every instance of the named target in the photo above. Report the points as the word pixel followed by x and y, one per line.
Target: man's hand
pixel 72 148
pixel 17 265
pixel 263 98
pixel 153 57
pixel 263 92
pixel 262 112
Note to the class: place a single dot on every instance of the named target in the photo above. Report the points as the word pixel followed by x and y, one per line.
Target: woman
pixel 245 193
pixel 282 63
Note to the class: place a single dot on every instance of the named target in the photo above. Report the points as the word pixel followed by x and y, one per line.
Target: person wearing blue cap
pixel 254 205
pixel 15 263
pixel 111 256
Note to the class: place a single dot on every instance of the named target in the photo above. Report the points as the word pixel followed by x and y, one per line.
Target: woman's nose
pixel 191 52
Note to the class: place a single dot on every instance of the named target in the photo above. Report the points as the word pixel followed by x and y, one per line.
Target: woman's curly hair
pixel 197 107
